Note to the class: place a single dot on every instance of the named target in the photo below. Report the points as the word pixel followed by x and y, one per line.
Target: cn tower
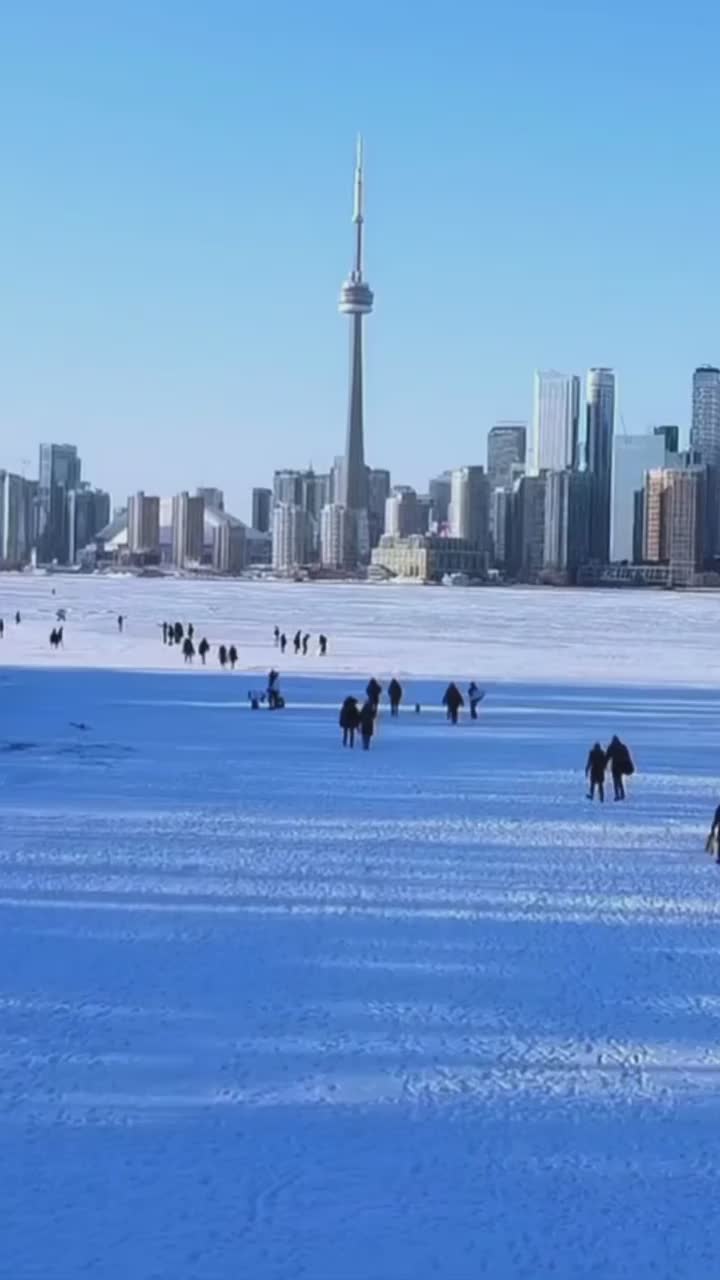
pixel 356 301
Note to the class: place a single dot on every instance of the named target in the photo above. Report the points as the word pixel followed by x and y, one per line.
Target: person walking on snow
pixel 595 772
pixel 349 721
pixel 322 641
pixel 453 701
pixel 283 642
pixel 121 623
pixel 621 765
pixel 233 656
pixel 373 691
pixel 203 649
pixel 475 697
pixel 165 631
pixel 188 649
pixel 305 643
pixel 2 628
pixel 222 656
pixel 367 724
pixel 276 636
pixel 395 694
pixel 297 641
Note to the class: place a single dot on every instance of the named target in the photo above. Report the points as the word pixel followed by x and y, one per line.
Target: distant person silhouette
pixel 349 721
pixel 322 640
pixel 395 694
pixel 233 656
pixel 595 772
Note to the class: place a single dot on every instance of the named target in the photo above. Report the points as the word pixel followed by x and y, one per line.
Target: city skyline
pixel 169 294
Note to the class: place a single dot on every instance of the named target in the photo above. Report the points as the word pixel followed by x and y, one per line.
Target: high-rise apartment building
pixel 671 435
pixel 88 511
pixel 378 494
pixel 705 429
pixel 229 551
pixel 567 522
pixel 334 537
pixel 17 501
pixel 440 491
pixel 212 497
pixel 59 471
pixel 600 434
pixel 288 487
pixel 687 524
pixel 525 551
pixel 656 516
pixel 633 456
pixel 262 509
pixel 556 421
pixel 506 447
pixel 292 535
pixel 188 530
pixel 470 506
pixel 144 526
pixel 402 512
pixel 314 492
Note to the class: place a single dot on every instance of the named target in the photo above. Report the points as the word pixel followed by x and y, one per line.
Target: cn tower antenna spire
pixel 358 217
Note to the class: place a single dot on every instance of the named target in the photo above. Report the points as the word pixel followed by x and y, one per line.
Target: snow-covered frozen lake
pixel 278 1010
pixel 493 634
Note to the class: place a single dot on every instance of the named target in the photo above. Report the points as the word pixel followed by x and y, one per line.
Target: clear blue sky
pixel 543 189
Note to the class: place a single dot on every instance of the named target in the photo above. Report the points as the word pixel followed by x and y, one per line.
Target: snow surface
pixel 278 1010
pixel 494 633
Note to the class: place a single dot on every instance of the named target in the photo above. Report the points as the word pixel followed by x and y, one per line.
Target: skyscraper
pixel 188 530
pixel 705 430
pixel 144 526
pixel 556 421
pixel 600 432
pixel 633 456
pixel 440 491
pixel 567 503
pixel 16 518
pixel 261 509
pixel 288 487
pixel 212 497
pixel 59 471
pixel 334 537
pixel 356 301
pixel 291 536
pixel 671 436
pixel 402 513
pixel 687 524
pixel 506 447
pixel 470 506
pixel 88 511
pixel 378 493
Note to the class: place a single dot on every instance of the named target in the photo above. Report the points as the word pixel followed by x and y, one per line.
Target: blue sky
pixel 542 190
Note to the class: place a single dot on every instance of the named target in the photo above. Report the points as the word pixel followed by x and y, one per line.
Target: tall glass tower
pixel 600 432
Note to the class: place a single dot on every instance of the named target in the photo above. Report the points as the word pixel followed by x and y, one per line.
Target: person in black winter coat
pixel 453 701
pixel 367 724
pixel 283 642
pixel 322 641
pixel 203 649
pixel 349 721
pixel 178 632
pixel 305 643
pixel 621 765
pixel 232 656
pixel 297 641
pixel 188 649
pixel 373 691
pixel 222 656
pixel 395 694
pixel 595 771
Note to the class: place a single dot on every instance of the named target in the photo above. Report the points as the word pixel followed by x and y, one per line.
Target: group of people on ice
pixel 300 643
pixel 615 757
pixel 355 718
